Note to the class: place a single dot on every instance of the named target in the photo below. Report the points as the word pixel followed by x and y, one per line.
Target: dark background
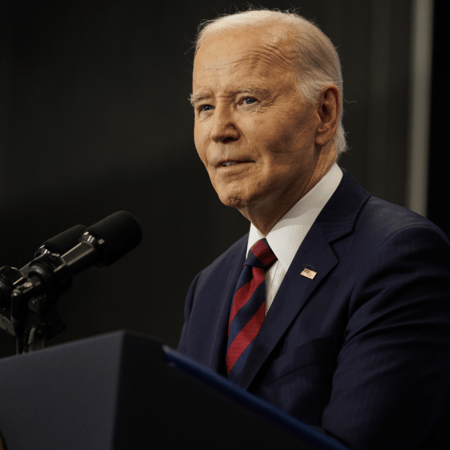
pixel 94 118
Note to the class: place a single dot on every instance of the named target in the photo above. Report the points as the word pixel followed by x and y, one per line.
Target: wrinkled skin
pixel 264 147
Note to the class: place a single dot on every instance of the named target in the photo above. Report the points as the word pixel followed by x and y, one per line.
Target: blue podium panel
pixel 117 391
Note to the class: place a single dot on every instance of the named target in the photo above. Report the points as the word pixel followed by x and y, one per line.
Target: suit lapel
pixel 227 276
pixel 336 220
pixel 294 292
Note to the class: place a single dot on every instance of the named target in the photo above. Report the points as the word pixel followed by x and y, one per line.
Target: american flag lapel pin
pixel 308 273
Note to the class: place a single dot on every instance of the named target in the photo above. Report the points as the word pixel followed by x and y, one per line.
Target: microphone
pixel 102 244
pixel 49 274
pixel 62 242
pixel 105 242
pixel 10 277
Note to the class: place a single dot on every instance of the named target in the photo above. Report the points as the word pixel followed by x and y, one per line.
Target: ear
pixel 329 108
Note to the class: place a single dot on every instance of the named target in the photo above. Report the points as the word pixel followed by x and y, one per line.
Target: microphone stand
pixel 42 324
pixel 49 275
pixel 38 285
pixel 48 278
pixel 32 331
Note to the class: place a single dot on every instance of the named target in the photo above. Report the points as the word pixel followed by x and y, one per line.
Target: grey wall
pixel 94 118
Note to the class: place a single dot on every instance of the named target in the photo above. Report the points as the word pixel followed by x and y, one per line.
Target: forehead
pixel 257 53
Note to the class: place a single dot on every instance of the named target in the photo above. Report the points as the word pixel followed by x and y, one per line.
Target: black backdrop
pixel 94 118
pixel 439 169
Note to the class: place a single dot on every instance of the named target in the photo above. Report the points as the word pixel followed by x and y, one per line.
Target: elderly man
pixel 341 313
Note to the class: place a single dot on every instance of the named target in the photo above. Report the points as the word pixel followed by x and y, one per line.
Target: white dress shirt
pixel 288 233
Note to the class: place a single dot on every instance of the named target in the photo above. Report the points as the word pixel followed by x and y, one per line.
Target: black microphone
pixel 58 244
pixel 105 242
pixel 49 274
pixel 100 245
pixel 10 277
pixel 62 242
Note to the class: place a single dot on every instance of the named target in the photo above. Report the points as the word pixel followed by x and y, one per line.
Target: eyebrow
pixel 198 97
pixel 246 90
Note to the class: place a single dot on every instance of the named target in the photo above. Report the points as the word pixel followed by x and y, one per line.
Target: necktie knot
pixel 260 255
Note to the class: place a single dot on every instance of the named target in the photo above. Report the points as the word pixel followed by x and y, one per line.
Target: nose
pixel 224 129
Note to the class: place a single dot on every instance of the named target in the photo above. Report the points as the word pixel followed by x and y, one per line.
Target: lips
pixel 230 162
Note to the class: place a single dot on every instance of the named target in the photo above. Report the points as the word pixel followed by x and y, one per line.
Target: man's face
pixel 253 132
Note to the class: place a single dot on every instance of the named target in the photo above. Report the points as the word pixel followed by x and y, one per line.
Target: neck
pixel 265 215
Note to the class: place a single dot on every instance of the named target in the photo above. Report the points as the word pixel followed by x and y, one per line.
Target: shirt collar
pixel 288 233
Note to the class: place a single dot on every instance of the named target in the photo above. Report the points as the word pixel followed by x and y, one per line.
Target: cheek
pixel 274 135
pixel 200 145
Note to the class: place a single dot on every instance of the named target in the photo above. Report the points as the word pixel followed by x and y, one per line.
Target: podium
pixel 125 391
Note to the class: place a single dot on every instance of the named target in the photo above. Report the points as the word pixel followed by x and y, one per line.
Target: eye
pixel 249 100
pixel 203 109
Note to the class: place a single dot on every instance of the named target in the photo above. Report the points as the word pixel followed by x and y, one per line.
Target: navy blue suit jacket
pixel 362 350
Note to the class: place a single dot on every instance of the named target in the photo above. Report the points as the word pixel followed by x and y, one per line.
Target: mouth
pixel 228 163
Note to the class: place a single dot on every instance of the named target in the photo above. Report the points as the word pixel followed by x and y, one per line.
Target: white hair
pixel 317 60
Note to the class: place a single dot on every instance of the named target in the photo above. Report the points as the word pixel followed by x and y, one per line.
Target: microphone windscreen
pixel 62 242
pixel 121 233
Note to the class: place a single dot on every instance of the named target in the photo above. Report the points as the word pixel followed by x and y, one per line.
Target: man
pixel 353 332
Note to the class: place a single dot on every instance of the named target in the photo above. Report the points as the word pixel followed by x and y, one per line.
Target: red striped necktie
pixel 248 308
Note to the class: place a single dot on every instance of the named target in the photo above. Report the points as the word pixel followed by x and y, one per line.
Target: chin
pixel 230 195
pixel 233 202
